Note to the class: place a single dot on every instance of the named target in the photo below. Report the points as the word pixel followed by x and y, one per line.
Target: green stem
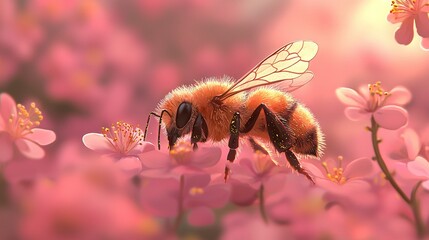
pixel 413 201
pixel 415 206
pixel 382 164
pixel 262 204
pixel 180 203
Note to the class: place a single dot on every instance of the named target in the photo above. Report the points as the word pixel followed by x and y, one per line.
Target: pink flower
pixel 406 12
pixel 256 171
pixel 122 143
pixel 181 159
pixel 374 101
pixel 420 168
pixel 343 179
pixel 167 198
pixel 18 125
pixel 249 174
pixel 81 206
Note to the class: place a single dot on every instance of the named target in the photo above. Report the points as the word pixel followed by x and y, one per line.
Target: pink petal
pixel 30 149
pixel 405 33
pixel 206 157
pixel 97 142
pixel 41 136
pixel 7 106
pixel 425 184
pixel 391 117
pixel 6 147
pixel 201 216
pixel 419 167
pixel 131 165
pixel 160 197
pixel 425 44
pixel 412 142
pixel 422 24
pixel 350 97
pixel 156 160
pixel 399 96
pixel 356 114
pixel 397 17
pixel 144 147
pixel 358 168
pixel 242 194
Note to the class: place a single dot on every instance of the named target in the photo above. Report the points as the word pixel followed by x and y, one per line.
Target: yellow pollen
pixel 123 136
pixel 196 191
pixel 25 120
pixel 376 89
pixel 182 152
pixel 335 174
pixel 401 6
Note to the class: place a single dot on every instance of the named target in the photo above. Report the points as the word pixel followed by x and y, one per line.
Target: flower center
pixel 182 152
pixel 196 191
pixel 377 96
pixel 400 6
pixel 25 120
pixel 335 174
pixel 123 136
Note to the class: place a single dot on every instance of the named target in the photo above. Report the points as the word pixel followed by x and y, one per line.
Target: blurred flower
pixel 406 12
pixel 196 196
pixel 81 207
pixel 122 143
pixel 425 44
pixel 343 179
pixel 181 159
pixel 249 174
pixel 256 171
pixel 374 101
pixel 420 167
pixel 18 125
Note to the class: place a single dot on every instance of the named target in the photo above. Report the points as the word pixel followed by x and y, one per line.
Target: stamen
pixel 182 152
pixel 25 120
pixel 196 191
pixel 123 136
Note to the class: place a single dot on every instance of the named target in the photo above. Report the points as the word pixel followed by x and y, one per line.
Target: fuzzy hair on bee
pixel 257 107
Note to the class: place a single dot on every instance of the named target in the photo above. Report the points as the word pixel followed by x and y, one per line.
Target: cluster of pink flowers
pixel 68 68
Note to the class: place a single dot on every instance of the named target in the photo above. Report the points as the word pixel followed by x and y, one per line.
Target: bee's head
pixel 180 122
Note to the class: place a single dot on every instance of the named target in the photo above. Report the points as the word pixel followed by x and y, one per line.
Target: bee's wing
pixel 287 65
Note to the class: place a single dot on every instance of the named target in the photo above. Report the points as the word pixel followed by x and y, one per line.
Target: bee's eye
pixel 183 115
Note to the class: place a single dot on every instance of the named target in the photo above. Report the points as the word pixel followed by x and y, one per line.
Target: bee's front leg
pixel 233 141
pixel 200 131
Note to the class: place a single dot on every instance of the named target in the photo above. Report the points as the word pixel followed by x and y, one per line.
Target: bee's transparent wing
pixel 287 66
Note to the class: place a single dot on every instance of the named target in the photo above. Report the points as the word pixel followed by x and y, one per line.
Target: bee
pixel 257 106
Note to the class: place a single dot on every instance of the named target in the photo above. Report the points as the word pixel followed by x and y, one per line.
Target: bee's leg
pixel 233 141
pixel 280 134
pixel 200 131
pixel 293 161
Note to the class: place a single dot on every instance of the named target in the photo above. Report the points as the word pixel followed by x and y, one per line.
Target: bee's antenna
pixel 159 125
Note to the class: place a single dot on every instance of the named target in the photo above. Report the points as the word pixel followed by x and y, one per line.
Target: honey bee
pixel 218 109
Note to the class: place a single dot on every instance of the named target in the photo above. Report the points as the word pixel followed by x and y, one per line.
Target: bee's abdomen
pixel 308 137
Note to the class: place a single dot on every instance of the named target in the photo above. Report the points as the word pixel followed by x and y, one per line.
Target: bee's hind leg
pixel 280 134
pixel 293 161
pixel 233 141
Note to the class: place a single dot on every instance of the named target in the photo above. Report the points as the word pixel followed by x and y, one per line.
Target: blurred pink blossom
pixel 182 159
pixel 122 142
pixel 425 44
pixel 18 125
pixel 162 197
pixel 406 12
pixel 374 101
pixel 343 179
pixel 420 167
pixel 70 208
